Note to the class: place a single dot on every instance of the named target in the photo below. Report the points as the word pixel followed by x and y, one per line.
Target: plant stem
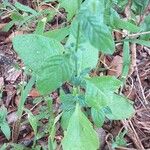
pixel 24 94
pixel 76 49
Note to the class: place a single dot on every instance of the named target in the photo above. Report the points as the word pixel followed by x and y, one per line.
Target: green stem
pixel 76 49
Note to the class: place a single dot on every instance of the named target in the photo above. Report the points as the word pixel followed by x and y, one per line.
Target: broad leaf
pixel 46 58
pixel 53 74
pixel 90 18
pixel 99 90
pixel 80 133
pixel 120 107
pixel 98 117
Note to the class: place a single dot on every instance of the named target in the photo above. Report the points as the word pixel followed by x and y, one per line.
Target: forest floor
pixel 137 88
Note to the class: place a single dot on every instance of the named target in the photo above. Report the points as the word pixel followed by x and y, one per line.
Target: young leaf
pixel 80 133
pixel 8 26
pixel 99 90
pixel 120 107
pixel 3 123
pixel 98 117
pixel 120 140
pixel 33 121
pixel 5 129
pixel 47 60
pixel 24 94
pixel 40 27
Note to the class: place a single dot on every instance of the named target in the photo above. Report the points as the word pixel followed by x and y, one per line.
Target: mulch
pixel 137 88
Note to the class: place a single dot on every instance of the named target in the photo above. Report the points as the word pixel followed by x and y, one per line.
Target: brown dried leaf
pixel 2 25
pixel 13 76
pixel 34 93
pixel 116 66
pixel 12 35
pixel 12 117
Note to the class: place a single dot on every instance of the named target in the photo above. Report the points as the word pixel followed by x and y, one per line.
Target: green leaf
pixel 87 55
pixel 145 26
pixel 113 20
pixel 46 59
pixel 98 117
pixel 56 72
pixel 65 119
pixel 24 94
pixel 58 34
pixel 93 27
pixel 121 108
pixel 8 26
pixel 138 6
pixel 99 90
pixel 5 129
pixel 3 147
pixel 68 101
pixel 16 16
pixel 121 24
pixel 40 27
pixel 120 140
pixel 80 134
pixel 71 7
pixel 98 35
pixel 33 121
pixel 3 123
pixel 25 8
pixel 126 59
pixel 53 128
pixel 141 42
